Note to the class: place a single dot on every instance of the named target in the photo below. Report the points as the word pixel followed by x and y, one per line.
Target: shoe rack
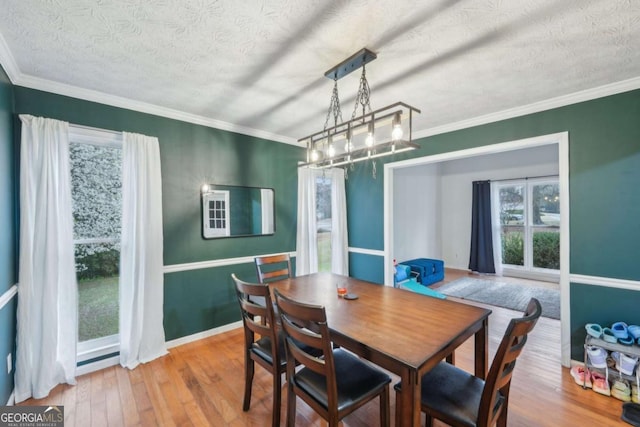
pixel 632 350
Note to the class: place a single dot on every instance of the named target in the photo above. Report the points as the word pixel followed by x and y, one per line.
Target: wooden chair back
pixel 307 342
pixel 256 318
pixel 273 267
pixel 499 379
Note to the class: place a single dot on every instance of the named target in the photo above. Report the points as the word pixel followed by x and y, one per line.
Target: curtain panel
pixel 339 234
pixel 48 293
pixel 141 258
pixel 481 256
pixel 307 231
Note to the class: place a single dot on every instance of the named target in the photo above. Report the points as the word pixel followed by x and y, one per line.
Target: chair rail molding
pixel 608 282
pixel 8 295
pixel 174 268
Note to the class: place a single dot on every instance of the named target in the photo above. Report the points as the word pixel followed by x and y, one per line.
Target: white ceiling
pixel 257 66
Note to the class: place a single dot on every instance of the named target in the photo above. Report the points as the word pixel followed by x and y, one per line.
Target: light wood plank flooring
pixel 201 383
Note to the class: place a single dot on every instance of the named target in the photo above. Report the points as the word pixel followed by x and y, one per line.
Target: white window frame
pixel 98 347
pixel 207 230
pixel 528 270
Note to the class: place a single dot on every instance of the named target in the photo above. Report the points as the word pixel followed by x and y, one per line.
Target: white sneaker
pixel 624 363
pixel 597 356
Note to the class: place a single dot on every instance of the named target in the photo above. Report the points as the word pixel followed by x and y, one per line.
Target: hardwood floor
pixel 201 384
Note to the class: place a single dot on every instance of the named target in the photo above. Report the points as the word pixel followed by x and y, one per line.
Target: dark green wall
pixel 604 174
pixel 605 202
pixel 193 155
pixel 8 268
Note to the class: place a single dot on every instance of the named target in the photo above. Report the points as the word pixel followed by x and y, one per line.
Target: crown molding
pixel 7 62
pixel 143 107
pixel 536 107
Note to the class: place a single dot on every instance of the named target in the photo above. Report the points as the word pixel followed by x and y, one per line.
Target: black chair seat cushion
pixel 454 392
pixel 355 380
pixel 262 348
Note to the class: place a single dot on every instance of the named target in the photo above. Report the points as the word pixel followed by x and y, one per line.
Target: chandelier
pixel 368 134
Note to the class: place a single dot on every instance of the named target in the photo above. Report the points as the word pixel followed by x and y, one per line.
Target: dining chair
pixel 458 398
pixel 261 342
pixel 273 267
pixel 332 381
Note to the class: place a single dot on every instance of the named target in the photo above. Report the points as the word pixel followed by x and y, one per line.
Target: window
pixel 96 191
pixel 530 224
pixel 215 205
pixel 323 221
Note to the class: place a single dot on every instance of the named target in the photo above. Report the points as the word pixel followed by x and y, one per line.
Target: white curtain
pixel 496 231
pixel 141 278
pixel 266 203
pixel 307 233
pixel 339 234
pixel 48 293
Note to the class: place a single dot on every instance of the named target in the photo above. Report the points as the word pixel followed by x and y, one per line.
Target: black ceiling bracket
pixel 350 64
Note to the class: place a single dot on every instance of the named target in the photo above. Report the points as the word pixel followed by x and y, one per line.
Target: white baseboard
pixel 112 361
pixel 204 334
pixel 96 366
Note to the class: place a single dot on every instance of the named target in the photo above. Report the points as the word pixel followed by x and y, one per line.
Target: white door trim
pixel 562 140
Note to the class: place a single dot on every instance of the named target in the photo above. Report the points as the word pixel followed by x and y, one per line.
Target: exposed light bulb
pixel 331 151
pixel 396 132
pixel 370 140
pixel 348 144
pixel 314 155
pixel 205 188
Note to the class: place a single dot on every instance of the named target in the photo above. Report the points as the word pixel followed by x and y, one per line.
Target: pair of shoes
pixel 621 332
pixel 597 356
pixel 621 390
pixel 600 384
pixel 625 364
pixel 581 376
pixel 634 392
pixel 608 336
pixel 634 331
pixel 594 329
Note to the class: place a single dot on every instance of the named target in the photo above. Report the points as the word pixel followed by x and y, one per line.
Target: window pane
pixel 546 205
pixel 546 249
pixel 96 190
pixel 97 268
pixel 323 222
pixel 512 205
pixel 513 246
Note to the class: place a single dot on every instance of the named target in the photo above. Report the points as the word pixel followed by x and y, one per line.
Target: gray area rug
pixel 508 295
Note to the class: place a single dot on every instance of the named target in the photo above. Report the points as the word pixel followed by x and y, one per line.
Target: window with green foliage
pixel 96 190
pixel 530 224
pixel 323 222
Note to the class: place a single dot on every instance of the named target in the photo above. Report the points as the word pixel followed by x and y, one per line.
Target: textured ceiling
pixel 259 64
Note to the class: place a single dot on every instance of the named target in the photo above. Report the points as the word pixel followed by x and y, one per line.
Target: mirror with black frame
pixel 233 211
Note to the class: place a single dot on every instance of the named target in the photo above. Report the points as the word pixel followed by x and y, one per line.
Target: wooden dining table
pixel 401 331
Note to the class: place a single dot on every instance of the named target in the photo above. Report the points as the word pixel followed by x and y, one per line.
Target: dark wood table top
pixel 410 328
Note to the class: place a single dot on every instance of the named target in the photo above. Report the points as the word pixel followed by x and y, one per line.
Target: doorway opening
pixel 558 142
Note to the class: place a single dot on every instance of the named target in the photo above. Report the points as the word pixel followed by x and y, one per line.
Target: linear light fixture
pixel 366 136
